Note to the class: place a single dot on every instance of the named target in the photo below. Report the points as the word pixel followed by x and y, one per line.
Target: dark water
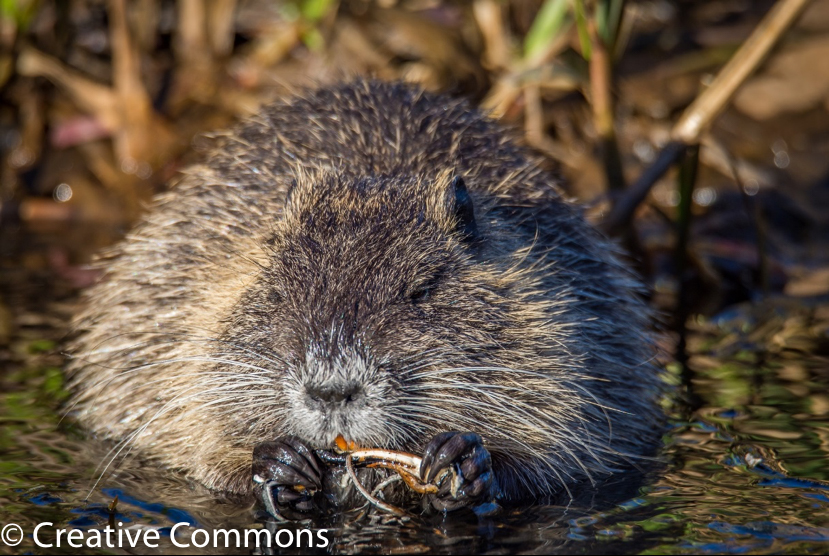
pixel 747 473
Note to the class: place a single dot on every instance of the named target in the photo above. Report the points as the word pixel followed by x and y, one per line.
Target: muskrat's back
pixel 379 263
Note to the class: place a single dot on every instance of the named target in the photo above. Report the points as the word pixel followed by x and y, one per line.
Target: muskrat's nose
pixel 335 393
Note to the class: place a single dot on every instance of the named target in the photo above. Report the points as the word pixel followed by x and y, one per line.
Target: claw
pixel 429 456
pixel 463 457
pixel 286 473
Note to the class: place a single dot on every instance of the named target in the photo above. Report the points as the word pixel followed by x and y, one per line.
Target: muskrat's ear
pixel 463 209
pixel 288 195
pixel 296 196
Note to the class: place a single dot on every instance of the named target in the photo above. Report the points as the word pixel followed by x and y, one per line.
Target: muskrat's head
pixel 372 284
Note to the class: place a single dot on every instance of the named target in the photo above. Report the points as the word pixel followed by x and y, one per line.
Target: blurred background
pixel 103 101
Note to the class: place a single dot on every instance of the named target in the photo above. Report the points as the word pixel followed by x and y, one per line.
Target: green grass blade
pixel 608 17
pixel 581 26
pixel 315 10
pixel 547 26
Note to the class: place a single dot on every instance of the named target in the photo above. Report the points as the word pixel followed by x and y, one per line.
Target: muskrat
pixel 371 261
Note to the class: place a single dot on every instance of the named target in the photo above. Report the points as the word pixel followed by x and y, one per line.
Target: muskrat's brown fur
pixel 222 305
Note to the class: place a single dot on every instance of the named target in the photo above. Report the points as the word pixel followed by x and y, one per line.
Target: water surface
pixel 746 473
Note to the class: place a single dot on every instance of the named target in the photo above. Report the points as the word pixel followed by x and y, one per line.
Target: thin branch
pixel 697 118
pixel 601 100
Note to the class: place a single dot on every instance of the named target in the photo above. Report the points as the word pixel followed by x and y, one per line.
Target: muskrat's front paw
pixel 470 481
pixel 287 474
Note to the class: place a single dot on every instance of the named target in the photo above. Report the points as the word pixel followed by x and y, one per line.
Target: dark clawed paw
pixel 469 480
pixel 287 474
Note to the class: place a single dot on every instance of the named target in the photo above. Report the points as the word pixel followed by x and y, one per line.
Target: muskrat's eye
pixel 423 291
pixel 420 294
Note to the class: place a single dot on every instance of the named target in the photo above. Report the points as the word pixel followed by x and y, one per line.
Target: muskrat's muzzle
pixel 334 395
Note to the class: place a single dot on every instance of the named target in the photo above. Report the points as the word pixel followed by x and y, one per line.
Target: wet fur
pixel 229 299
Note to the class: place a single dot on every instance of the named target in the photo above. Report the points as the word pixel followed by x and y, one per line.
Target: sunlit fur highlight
pixel 228 299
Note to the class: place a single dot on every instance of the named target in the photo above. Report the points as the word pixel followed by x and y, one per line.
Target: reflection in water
pixel 747 473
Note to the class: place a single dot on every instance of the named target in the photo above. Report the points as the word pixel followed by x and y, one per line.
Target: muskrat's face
pixel 371 284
